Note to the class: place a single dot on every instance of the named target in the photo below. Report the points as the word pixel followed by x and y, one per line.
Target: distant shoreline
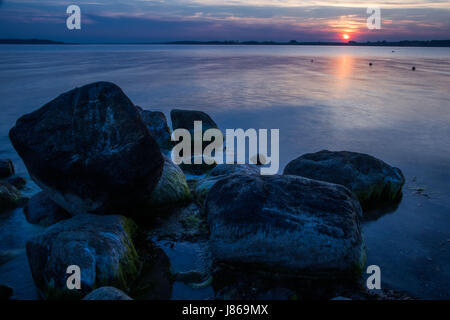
pixel 404 43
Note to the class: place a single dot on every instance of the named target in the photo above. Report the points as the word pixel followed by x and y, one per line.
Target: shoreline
pixel 403 43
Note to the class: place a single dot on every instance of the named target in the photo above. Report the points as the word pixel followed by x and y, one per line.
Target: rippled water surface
pixel 319 98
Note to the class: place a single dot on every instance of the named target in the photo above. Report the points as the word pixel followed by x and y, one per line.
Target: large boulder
pixel 172 188
pixel 202 186
pixel 285 225
pixel 90 150
pixel 42 210
pixel 102 247
pixel 10 197
pixel 371 179
pixel 6 168
pixel 156 123
pixel 107 293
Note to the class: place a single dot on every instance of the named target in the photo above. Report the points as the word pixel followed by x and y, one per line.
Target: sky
pixel 136 21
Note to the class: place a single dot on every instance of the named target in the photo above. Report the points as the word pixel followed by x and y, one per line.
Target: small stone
pixel 41 210
pixel 10 197
pixel 18 182
pixel 6 168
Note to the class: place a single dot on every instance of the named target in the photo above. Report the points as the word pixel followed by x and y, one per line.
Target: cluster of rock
pixel 103 162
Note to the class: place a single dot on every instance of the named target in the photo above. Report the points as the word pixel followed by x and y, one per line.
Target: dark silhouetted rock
pixel 285 225
pixel 18 182
pixel 5 292
pixel 156 123
pixel 369 178
pixel 107 293
pixel 101 246
pixel 90 150
pixel 10 197
pixel 184 119
pixel 41 210
pixel 6 168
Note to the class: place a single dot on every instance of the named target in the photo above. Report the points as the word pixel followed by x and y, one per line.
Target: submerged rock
pixel 10 197
pixel 285 225
pixel 90 150
pixel 41 210
pixel 172 188
pixel 156 123
pixel 154 281
pixel 371 179
pixel 181 224
pixel 6 168
pixel 202 186
pixel 101 246
pixel 107 293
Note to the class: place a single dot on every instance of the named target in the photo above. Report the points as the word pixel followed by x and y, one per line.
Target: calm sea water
pixel 336 102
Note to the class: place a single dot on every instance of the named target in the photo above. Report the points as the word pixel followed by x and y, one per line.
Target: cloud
pixel 154 20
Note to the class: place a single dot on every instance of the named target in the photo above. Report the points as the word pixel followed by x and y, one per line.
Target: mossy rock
pixel 373 181
pixel 172 188
pixel 102 246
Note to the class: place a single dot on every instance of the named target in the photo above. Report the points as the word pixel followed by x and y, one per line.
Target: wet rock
pixel 90 150
pixel 6 168
pixel 18 182
pixel 42 210
pixel 155 280
pixel 156 123
pixel 371 179
pixel 101 246
pixel 184 119
pixel 202 186
pixel 180 224
pixel 285 225
pixel 5 292
pixel 195 171
pixel 172 189
pixel 107 293
pixel 339 298
pixel 190 262
pixel 10 197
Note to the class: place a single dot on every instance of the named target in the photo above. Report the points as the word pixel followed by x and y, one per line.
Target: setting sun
pixel 345 36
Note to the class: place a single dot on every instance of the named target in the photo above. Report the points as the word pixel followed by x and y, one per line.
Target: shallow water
pixel 336 102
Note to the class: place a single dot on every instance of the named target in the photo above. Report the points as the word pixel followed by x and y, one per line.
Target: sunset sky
pixel 277 20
